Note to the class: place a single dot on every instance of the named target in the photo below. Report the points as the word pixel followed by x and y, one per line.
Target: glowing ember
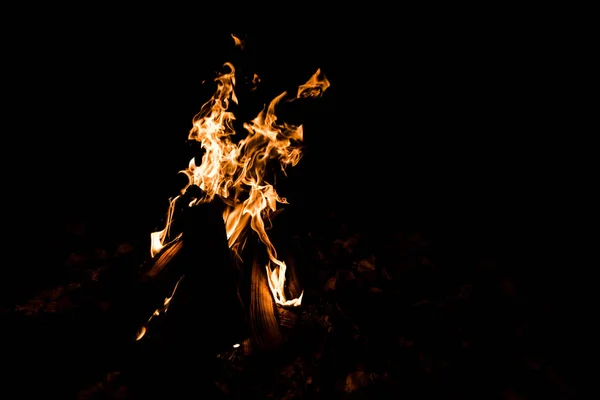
pixel 235 172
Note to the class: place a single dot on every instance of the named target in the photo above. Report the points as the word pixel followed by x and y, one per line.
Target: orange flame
pixel 238 42
pixel 159 311
pixel 235 172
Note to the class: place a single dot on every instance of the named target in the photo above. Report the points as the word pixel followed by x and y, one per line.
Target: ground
pixel 385 314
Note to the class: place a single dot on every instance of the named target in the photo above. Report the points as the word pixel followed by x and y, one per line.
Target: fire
pixel 159 311
pixel 234 172
pixel 238 42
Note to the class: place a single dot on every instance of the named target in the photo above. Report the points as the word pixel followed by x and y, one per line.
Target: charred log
pixel 207 296
pixel 211 275
pixel 205 315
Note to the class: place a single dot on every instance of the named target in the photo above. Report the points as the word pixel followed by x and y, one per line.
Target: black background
pixel 439 128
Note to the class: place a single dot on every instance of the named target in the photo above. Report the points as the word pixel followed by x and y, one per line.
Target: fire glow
pixel 235 172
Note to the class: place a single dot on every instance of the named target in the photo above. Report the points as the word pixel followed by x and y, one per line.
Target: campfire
pixel 233 177
pixel 239 292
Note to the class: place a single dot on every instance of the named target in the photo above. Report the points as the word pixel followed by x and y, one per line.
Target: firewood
pixel 287 317
pixel 152 268
pixel 294 287
pixel 211 279
pixel 265 331
pixel 202 255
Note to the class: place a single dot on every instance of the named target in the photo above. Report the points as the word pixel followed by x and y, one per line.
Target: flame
pixel 235 173
pixel 315 86
pixel 238 42
pixel 254 82
pixel 159 311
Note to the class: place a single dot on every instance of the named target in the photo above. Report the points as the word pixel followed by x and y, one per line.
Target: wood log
pixel 158 276
pixel 294 288
pixel 212 277
pixel 152 268
pixel 208 292
pixel 265 331
pixel 287 317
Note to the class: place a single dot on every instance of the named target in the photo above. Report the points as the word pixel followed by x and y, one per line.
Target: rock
pixel 124 249
pixel 330 285
pixel 75 259
pixel 51 307
pixel 350 244
pixel 100 254
pixel 64 304
pixel 355 380
pixel 367 264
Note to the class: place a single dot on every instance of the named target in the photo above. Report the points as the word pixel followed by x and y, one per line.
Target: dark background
pixel 441 129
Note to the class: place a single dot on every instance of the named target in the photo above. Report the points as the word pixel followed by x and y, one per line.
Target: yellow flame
pixel 143 329
pixel 141 333
pixel 235 172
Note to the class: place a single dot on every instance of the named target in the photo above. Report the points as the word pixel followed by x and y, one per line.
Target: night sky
pixel 107 124
pixel 112 115
pixel 431 128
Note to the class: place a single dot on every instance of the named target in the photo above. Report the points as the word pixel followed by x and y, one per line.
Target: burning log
pixel 157 265
pixel 287 317
pixel 264 325
pixel 293 282
pixel 271 322
pixel 209 291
